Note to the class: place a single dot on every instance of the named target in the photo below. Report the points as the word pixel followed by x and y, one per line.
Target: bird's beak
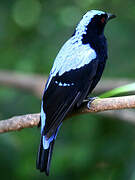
pixel 110 16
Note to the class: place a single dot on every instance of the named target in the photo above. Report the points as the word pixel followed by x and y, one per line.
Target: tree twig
pixel 98 105
pixel 19 122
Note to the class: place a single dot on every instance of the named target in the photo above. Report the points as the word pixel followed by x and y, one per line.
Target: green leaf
pixel 119 90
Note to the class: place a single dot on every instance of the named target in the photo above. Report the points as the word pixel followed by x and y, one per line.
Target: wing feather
pixel 61 115
pixel 59 99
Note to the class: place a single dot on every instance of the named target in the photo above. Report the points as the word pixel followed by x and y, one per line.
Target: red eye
pixel 103 20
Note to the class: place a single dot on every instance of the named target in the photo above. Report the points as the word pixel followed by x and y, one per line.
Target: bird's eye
pixel 103 20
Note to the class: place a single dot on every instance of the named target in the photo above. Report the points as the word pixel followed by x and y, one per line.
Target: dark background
pixel 88 146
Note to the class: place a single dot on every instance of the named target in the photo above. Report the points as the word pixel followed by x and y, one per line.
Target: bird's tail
pixel 44 156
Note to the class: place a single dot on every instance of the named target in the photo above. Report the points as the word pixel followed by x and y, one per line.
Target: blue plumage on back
pixel 76 71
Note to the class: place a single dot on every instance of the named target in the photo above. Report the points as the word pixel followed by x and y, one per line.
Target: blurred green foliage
pixel 119 90
pixel 88 146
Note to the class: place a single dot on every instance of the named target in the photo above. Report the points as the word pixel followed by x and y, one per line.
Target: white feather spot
pixel 60 84
pixel 46 141
pixel 64 84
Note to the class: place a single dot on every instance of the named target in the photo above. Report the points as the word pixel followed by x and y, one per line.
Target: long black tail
pixel 44 157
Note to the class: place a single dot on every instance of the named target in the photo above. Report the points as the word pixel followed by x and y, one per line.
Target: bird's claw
pixel 90 100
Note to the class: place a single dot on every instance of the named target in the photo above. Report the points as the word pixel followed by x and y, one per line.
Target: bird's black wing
pixel 64 92
pixel 99 72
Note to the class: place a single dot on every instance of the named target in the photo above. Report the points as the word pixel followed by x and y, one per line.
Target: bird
pixel 76 71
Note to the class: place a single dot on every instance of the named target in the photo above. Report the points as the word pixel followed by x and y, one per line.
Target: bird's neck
pixel 97 42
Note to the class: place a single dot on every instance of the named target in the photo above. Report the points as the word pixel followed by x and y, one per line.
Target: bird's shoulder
pixel 73 55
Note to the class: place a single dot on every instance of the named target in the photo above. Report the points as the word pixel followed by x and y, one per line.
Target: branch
pixel 19 122
pixel 98 105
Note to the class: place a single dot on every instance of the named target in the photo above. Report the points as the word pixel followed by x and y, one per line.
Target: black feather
pixel 59 100
pixel 39 124
pixel 61 115
pixel 44 157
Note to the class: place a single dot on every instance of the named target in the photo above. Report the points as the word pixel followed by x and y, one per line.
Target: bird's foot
pixel 90 100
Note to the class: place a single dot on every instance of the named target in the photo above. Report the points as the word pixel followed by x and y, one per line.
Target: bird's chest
pixel 100 46
pixel 102 52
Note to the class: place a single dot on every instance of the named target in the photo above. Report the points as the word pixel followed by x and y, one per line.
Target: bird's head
pixel 93 23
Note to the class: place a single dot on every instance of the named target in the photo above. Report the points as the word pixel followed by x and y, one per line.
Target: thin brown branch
pixel 98 105
pixel 105 104
pixel 35 84
pixel 19 122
